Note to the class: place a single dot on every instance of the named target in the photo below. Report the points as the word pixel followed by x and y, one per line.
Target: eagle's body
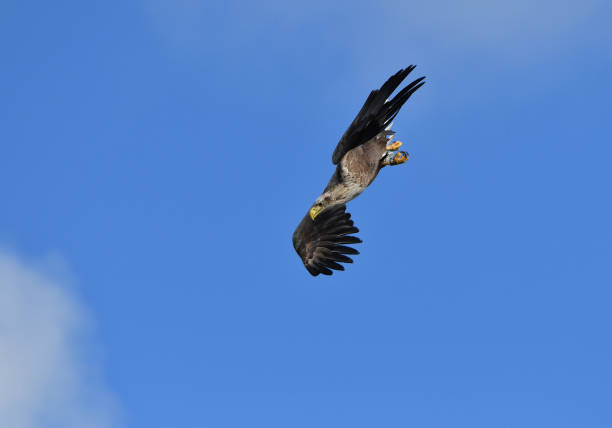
pixel 364 149
pixel 356 170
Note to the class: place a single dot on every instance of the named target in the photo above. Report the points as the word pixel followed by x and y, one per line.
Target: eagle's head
pixel 319 205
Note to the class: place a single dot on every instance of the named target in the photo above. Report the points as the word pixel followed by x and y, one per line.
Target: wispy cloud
pixel 486 21
pixel 49 376
pixel 516 29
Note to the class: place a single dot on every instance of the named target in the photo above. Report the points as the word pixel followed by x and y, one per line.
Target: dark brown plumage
pixel 364 149
pixel 321 243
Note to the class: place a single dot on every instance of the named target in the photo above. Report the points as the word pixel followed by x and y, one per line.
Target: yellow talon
pixel 394 146
pixel 400 157
pixel 395 159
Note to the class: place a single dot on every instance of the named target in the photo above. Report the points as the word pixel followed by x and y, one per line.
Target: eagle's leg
pixel 394 146
pixel 398 158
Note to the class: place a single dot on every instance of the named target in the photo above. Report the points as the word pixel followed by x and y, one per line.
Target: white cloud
pixel 48 375
pixel 505 28
pixel 519 29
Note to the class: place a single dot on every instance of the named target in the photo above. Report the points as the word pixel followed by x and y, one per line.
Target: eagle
pixel 323 236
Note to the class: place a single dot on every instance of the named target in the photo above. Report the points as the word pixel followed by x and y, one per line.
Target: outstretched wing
pixel 377 112
pixel 320 243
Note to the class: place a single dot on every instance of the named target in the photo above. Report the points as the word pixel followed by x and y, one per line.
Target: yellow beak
pixel 315 210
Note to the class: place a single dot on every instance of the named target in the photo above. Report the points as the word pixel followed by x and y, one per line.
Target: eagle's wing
pixel 377 112
pixel 320 242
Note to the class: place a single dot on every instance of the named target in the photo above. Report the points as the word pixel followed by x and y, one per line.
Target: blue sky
pixel 157 155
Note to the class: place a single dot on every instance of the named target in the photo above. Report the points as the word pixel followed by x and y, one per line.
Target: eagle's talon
pixel 394 146
pixel 400 158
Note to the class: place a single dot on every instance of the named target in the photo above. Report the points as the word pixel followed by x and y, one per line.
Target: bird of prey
pixel 366 147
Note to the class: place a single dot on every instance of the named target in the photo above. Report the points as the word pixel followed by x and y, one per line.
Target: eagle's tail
pixel 377 112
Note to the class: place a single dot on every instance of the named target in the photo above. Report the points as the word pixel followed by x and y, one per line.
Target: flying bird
pixel 322 237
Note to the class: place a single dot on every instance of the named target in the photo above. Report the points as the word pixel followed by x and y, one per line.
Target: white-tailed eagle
pixel 366 147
